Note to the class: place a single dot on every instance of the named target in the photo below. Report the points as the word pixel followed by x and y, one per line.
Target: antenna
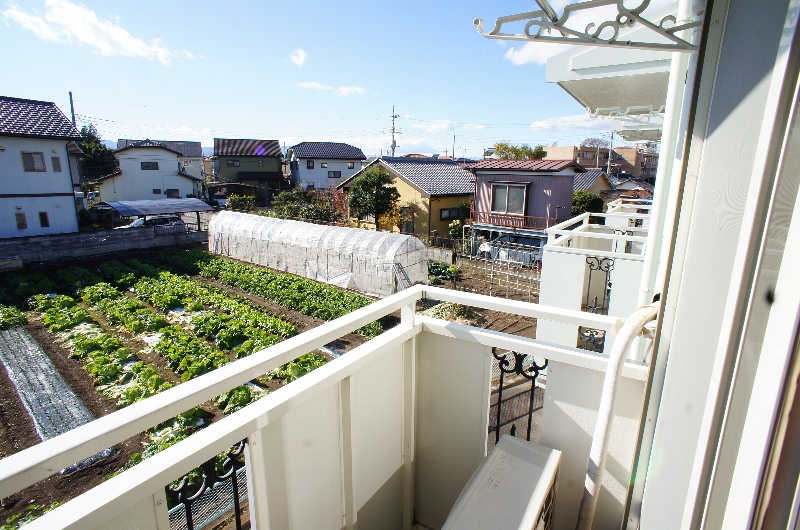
pixel 394 130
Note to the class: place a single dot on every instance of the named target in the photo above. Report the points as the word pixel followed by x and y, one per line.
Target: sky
pixel 291 71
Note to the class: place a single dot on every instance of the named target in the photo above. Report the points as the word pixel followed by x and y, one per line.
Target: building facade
pixel 254 163
pixel 323 164
pixel 38 169
pixel 190 158
pixel 148 170
pixel 639 161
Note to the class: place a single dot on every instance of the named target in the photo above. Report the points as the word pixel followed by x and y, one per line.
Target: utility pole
pixel 72 108
pixel 610 148
pixel 454 146
pixel 394 144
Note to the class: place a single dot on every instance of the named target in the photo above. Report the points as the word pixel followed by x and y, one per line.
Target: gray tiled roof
pixel 234 147
pixel 27 117
pixel 147 143
pixel 431 175
pixel 332 150
pixel 584 181
pixel 185 148
pixel 526 165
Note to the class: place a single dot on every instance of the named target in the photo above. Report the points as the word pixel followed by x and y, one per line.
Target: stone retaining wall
pixel 64 247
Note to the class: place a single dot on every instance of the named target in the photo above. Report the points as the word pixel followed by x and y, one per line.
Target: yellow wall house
pixel 431 192
pixel 594 180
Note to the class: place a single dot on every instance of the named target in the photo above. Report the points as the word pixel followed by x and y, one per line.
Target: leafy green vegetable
pixel 10 317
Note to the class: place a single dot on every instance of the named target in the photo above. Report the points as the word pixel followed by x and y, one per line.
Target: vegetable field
pixel 141 327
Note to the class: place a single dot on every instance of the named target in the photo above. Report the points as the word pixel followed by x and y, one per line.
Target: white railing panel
pixel 376 405
pixel 453 378
pixel 301 484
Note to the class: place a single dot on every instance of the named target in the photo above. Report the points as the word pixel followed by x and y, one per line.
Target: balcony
pixel 385 436
pixel 512 221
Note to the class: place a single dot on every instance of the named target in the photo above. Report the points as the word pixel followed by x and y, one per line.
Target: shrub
pixel 584 201
pixel 84 217
pixel 241 202
pixel 454 229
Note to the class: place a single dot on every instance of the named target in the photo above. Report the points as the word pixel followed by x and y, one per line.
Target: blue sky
pixel 292 71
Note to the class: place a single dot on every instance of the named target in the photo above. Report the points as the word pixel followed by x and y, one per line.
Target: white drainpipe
pixel 630 329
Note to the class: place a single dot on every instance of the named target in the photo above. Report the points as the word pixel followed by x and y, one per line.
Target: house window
pixel 55 162
pixel 33 161
pixel 323 165
pixel 334 174
pixel 232 163
pixel 150 166
pixel 173 193
pixel 351 165
pixel 508 198
pixel 309 164
pixel 157 191
pixel 406 221
pixel 22 224
pixel 448 213
pixel 44 221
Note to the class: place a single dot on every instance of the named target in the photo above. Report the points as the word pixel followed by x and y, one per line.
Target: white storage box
pixel 514 488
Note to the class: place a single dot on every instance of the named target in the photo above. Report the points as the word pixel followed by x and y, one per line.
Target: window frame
pixel 156 191
pixel 20 216
pixel 309 164
pixel 334 175
pixel 351 165
pixel 233 162
pixel 55 164
pixel 508 185
pixel 450 211
pixel 46 219
pixel 176 193
pixel 149 167
pixel 33 154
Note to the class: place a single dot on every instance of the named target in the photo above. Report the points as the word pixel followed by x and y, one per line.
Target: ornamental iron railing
pixel 597 300
pixel 522 403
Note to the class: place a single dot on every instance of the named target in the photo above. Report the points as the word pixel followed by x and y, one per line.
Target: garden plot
pixel 50 402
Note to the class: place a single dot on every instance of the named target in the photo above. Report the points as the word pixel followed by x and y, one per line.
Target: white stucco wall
pixel 135 184
pixel 34 192
pixel 319 175
pixel 194 167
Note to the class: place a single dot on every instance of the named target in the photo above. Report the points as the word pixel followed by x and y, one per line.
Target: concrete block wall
pixel 64 247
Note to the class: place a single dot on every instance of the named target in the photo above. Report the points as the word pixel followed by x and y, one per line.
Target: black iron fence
pixel 514 401
pixel 596 300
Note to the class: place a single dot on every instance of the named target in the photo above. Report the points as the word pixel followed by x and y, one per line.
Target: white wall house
pixel 148 170
pixel 37 193
pixel 323 164
pixel 191 154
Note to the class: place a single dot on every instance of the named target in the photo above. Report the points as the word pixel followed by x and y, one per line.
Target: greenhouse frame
pixel 352 258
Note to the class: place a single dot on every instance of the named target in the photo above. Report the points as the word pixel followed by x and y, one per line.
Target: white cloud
pixel 473 126
pixel 298 57
pixel 66 22
pixel 313 85
pixel 341 91
pixel 565 123
pixel 533 52
pixel 434 126
pixel 350 90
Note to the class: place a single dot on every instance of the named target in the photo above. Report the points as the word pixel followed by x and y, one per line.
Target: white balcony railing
pixel 381 437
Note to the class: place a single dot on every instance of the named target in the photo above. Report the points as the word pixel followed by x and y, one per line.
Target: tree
pixel 290 203
pixel 585 201
pixel 372 194
pixel 98 160
pixel 596 142
pixel 519 152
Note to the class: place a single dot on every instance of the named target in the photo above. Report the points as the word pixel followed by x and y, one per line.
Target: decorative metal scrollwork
pixel 187 493
pixel 603 266
pixel 521 404
pixel 592 339
pixel 539 27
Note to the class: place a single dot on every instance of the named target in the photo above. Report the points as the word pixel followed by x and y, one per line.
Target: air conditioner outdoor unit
pixel 513 488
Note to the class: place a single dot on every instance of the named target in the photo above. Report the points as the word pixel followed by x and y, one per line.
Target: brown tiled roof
pixel 233 147
pixel 526 165
pixel 28 117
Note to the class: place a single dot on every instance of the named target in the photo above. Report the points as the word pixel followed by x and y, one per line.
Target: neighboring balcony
pixel 513 220
pixel 593 263
pixel 383 437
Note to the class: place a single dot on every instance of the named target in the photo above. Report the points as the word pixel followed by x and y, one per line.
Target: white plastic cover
pixel 362 260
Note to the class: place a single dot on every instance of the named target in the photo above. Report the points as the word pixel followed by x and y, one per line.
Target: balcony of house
pixel 512 220
pixel 385 436
pixel 593 263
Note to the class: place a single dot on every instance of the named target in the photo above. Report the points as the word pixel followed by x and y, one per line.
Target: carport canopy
pixel 155 207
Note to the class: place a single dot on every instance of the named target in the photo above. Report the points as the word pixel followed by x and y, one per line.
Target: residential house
pixel 594 181
pixel 38 169
pixel 148 170
pixel 254 164
pixel 431 192
pixel 323 164
pixel 639 161
pixel 191 154
pixel 523 197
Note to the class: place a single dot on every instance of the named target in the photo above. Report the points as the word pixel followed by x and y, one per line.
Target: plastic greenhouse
pixel 362 260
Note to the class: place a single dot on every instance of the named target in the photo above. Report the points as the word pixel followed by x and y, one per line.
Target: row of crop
pixel 292 292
